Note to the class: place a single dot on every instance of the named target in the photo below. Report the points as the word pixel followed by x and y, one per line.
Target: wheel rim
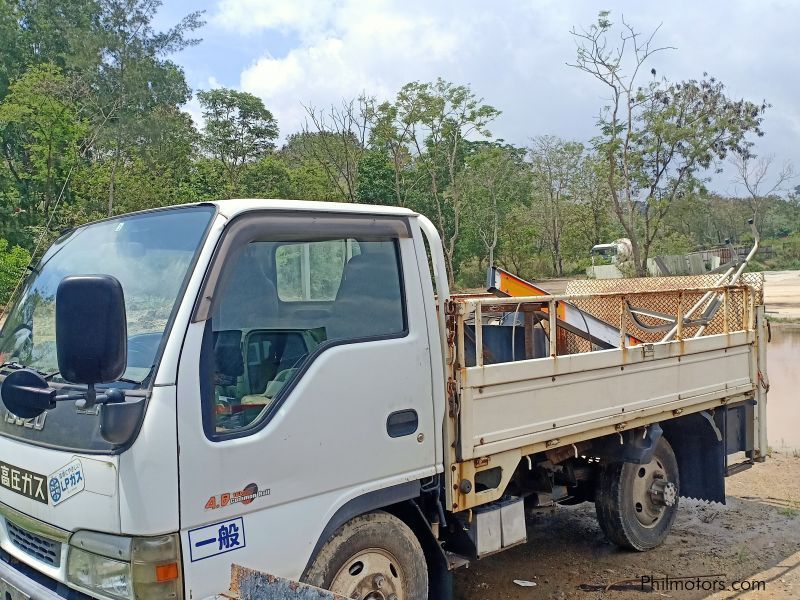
pixel 653 493
pixel 372 574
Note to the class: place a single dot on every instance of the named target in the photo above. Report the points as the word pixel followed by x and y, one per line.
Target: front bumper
pixel 21 582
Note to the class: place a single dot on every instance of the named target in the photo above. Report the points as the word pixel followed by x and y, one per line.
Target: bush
pixel 12 265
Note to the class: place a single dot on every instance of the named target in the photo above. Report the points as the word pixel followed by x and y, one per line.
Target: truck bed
pixel 501 412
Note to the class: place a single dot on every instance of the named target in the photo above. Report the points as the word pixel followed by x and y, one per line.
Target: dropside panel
pixel 512 405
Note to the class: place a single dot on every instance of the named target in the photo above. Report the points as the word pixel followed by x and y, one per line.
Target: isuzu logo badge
pixel 36 423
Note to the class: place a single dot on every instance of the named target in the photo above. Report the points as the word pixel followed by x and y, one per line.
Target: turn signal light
pixel 168 572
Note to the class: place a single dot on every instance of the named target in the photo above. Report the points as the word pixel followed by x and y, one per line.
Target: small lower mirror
pixel 26 394
pixel 120 420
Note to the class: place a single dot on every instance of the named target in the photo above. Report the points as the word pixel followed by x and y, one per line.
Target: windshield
pixel 150 254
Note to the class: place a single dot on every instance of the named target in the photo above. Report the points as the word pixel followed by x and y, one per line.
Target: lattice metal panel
pixel 641 290
pixel 652 284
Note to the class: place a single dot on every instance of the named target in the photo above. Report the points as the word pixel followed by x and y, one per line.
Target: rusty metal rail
pixel 736 313
pixel 248 584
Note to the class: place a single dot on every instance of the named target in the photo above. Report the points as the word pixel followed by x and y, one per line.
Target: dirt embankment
pixel 755 536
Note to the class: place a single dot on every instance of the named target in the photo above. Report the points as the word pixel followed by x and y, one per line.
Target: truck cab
pixel 278 369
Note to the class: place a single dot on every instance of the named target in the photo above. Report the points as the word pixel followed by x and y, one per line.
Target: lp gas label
pixel 66 482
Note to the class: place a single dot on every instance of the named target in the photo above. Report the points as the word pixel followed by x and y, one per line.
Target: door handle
pixel 402 422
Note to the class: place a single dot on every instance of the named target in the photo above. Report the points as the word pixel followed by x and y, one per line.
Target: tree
pixel 754 175
pixel 438 117
pixel 66 34
pixel 336 139
pixel 42 131
pixel 239 130
pixel 555 165
pixel 494 178
pixel 135 79
pixel 391 135
pixel 520 241
pixel 657 138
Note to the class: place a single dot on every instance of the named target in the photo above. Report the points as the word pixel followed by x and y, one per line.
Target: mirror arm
pixel 26 393
pixel 85 400
pixel 89 398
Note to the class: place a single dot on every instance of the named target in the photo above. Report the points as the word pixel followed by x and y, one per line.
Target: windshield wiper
pixel 17 366
pixel 49 376
pixel 12 365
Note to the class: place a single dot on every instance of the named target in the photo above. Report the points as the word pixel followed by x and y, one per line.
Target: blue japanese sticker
pixel 66 482
pixel 219 538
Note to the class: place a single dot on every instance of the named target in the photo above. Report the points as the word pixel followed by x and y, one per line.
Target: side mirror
pixel 91 329
pixel 92 347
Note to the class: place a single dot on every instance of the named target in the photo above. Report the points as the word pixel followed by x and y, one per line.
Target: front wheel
pixel 372 557
pixel 637 504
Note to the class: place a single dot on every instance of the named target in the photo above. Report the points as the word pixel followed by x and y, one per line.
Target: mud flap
pixel 699 447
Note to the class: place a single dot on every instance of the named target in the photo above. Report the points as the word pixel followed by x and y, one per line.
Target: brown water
pixel 783 401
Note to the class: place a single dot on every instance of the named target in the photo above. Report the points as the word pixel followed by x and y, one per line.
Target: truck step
pixel 738 468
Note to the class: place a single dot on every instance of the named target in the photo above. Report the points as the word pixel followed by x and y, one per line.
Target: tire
pixel 372 557
pixel 637 504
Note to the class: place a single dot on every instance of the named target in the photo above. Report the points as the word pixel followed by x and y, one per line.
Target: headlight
pixel 124 568
pixel 112 578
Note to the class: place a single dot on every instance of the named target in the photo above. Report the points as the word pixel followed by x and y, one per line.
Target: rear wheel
pixel 372 557
pixel 637 504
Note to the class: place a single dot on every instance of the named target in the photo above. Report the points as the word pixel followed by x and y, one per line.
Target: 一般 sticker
pixel 219 538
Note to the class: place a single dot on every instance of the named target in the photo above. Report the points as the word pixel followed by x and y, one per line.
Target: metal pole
pixel 479 336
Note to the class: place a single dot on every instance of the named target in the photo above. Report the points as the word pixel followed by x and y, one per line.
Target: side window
pixel 312 271
pixel 279 304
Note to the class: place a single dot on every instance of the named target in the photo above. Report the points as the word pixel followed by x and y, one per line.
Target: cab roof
pixel 237 206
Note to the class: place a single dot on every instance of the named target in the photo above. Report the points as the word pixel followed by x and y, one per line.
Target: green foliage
pixel 427 127
pixel 13 261
pixel 376 184
pixel 494 179
pixel 267 178
pixel 239 129
pixel 673 242
pixel 42 129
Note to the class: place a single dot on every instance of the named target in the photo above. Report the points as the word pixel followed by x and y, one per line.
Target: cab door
pixel 304 385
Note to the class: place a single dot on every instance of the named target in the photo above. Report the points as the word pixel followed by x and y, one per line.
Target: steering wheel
pixel 142 349
pixel 23 342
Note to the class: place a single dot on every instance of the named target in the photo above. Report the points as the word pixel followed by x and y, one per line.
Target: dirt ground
pixel 782 294
pixel 755 536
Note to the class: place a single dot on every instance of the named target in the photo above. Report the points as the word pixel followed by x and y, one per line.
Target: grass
pixel 791 510
pixel 743 555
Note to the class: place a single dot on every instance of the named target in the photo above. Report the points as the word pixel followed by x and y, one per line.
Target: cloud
pixel 248 16
pixel 512 54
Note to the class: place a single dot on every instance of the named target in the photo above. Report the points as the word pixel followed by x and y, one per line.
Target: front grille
pixel 46 550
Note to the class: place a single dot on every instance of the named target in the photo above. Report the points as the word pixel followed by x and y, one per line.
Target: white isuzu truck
pixel 291 387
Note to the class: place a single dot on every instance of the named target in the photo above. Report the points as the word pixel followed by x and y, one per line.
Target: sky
pixel 513 54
